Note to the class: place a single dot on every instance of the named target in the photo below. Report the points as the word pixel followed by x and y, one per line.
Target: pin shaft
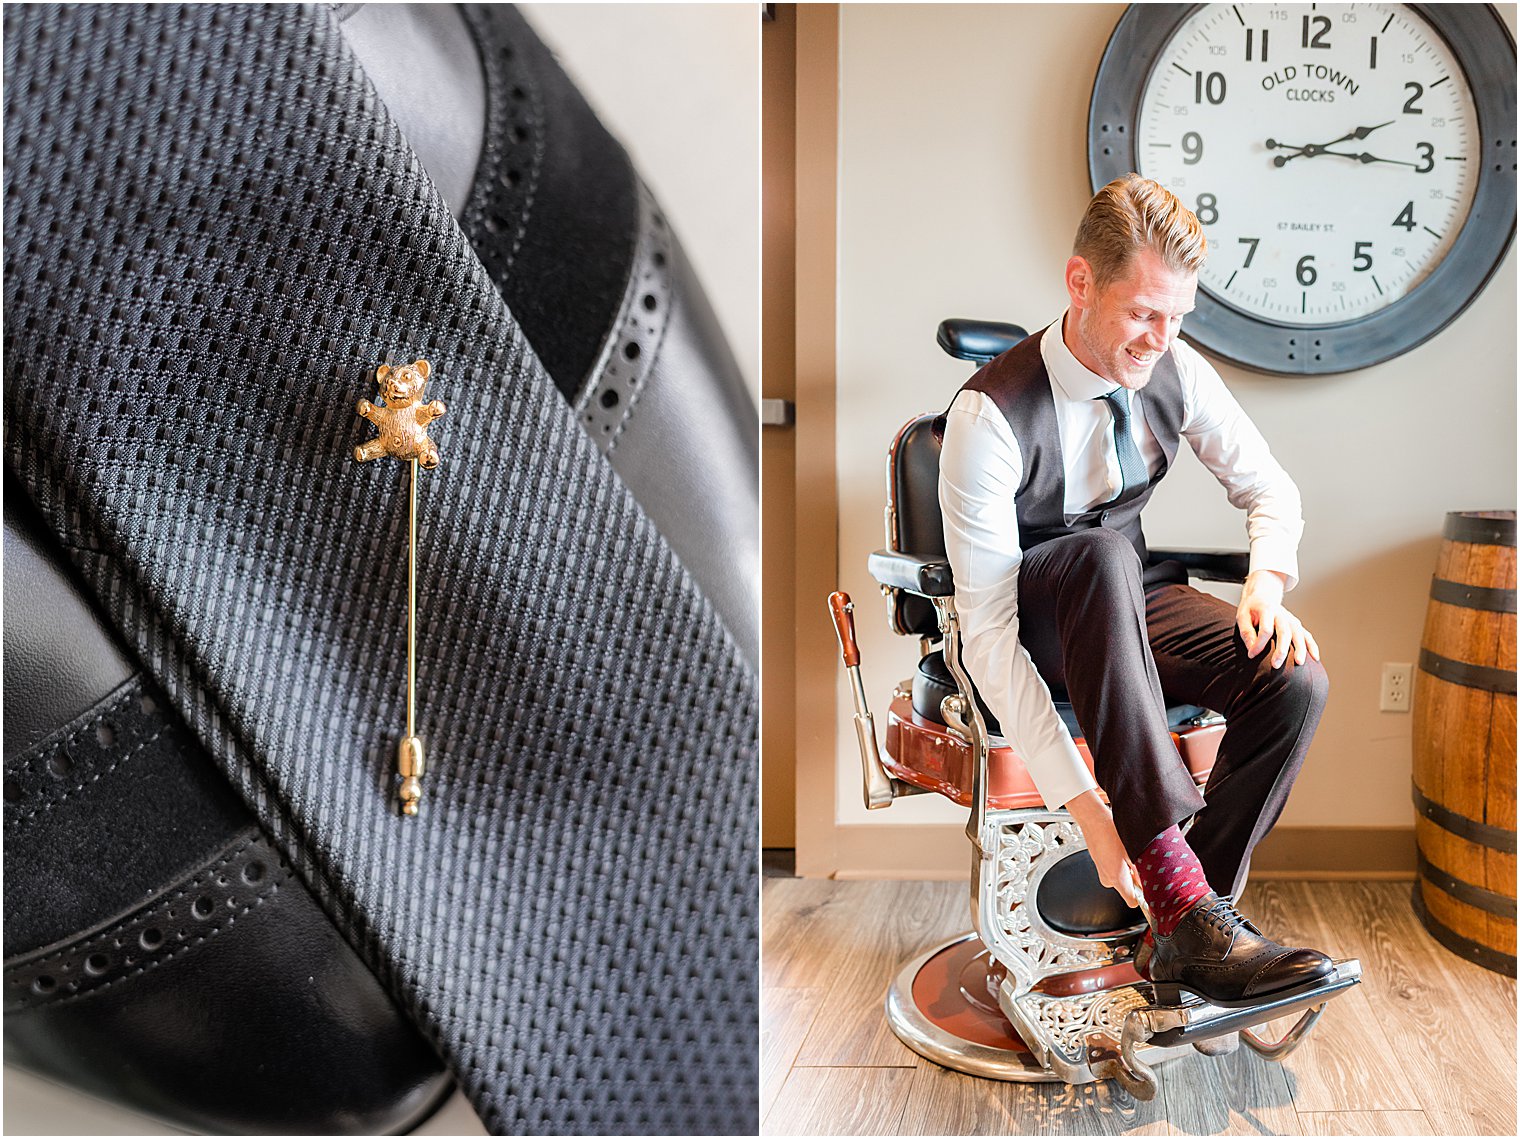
pixel 411 607
pixel 410 763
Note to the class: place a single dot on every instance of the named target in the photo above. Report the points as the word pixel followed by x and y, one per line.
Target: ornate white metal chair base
pixel 944 1005
pixel 952 1005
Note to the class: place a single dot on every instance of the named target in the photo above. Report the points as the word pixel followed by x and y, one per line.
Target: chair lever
pixel 879 787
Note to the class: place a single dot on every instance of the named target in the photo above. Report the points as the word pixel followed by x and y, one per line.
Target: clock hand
pixel 1359 133
pixel 1364 158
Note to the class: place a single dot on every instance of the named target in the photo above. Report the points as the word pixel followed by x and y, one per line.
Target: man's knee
pixel 1299 689
pixel 1100 551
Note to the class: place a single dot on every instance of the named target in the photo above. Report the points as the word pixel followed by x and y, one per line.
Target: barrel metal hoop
pixel 1475 896
pixel 1472 596
pixel 1495 838
pixel 1474 951
pixel 1479 531
pixel 1499 680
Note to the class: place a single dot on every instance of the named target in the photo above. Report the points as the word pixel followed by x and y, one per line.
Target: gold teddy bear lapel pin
pixel 402 423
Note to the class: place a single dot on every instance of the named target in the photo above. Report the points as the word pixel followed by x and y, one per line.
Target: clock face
pixel 1331 152
pixel 1353 166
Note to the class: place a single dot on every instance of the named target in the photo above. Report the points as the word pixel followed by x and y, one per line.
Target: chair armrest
pixel 1210 565
pixel 927 577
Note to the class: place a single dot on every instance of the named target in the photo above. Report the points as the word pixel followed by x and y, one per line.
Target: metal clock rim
pixel 1130 60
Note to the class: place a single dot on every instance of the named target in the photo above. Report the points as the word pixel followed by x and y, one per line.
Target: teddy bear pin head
pixel 403 420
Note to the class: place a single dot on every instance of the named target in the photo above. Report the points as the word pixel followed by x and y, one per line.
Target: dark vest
pixel 1018 383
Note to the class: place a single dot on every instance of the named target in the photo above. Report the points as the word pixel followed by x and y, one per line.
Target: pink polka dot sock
pixel 1171 879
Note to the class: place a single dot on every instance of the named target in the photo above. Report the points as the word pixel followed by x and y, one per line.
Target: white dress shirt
pixel 980 472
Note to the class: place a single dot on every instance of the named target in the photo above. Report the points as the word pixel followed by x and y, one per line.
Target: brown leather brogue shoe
pixel 1218 954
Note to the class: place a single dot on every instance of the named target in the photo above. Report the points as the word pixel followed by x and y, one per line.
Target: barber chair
pixel 1043 988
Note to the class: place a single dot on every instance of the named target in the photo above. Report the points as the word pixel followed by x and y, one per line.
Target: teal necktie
pixel 1133 472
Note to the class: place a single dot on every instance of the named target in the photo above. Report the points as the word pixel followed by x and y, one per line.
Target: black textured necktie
pixel 1133 473
pixel 213 229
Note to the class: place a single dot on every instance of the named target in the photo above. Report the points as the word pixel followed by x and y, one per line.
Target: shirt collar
pixel 1073 377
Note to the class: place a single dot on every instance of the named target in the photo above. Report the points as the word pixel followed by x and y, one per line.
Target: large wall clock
pixel 1353 166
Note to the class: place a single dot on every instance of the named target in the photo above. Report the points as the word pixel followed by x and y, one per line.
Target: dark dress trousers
pixel 214 232
pixel 1124 639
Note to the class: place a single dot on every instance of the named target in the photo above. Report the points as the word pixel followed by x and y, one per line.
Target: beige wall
pixel 962 175
pixel 679 85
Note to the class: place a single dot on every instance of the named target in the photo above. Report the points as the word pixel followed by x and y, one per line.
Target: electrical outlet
pixel 1398 685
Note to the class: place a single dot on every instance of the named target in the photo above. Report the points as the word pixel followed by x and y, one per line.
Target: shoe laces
pixel 1224 915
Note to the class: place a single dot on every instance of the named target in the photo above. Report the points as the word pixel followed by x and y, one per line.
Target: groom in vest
pixel 1050 454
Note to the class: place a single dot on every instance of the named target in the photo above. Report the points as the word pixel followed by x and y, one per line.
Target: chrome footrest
pixel 1193 1018
pixel 1119 1033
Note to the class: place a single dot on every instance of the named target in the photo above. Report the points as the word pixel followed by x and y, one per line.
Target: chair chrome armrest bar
pixel 1209 565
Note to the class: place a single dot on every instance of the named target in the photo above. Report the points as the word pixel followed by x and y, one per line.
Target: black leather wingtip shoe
pixel 1219 955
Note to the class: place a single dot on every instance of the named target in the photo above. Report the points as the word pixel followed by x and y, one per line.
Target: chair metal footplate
pixel 1119 1033
pixel 1193 1018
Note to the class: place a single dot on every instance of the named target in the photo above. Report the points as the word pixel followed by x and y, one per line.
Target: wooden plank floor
pixel 1425 1046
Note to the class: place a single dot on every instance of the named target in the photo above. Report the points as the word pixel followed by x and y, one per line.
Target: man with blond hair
pixel 1050 454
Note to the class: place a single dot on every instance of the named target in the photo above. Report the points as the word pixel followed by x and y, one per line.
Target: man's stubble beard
pixel 1116 362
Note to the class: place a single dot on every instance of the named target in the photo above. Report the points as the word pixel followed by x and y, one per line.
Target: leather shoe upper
pixel 1217 953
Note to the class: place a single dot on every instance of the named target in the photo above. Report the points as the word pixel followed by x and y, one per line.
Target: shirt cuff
pixel 1275 554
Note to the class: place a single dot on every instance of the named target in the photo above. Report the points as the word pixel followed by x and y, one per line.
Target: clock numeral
pixel 1253 242
pixel 1192 148
pixel 1372 63
pixel 1210 87
pixel 1406 218
pixel 1250 36
pixel 1207 209
pixel 1321 30
pixel 1409 105
pixel 1427 158
pixel 1362 261
pixel 1305 270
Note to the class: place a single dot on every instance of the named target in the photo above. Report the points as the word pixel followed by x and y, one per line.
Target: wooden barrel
pixel 1464 743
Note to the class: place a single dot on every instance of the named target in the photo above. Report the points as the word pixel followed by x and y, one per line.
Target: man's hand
pixel 1097 824
pixel 1262 619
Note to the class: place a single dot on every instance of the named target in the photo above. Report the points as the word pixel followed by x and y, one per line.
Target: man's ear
pixel 1080 286
pixel 424 368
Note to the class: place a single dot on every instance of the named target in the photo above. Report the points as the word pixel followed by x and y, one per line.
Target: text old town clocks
pixel 1353 166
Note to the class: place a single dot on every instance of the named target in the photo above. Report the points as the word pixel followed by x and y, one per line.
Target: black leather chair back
pixel 914 524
